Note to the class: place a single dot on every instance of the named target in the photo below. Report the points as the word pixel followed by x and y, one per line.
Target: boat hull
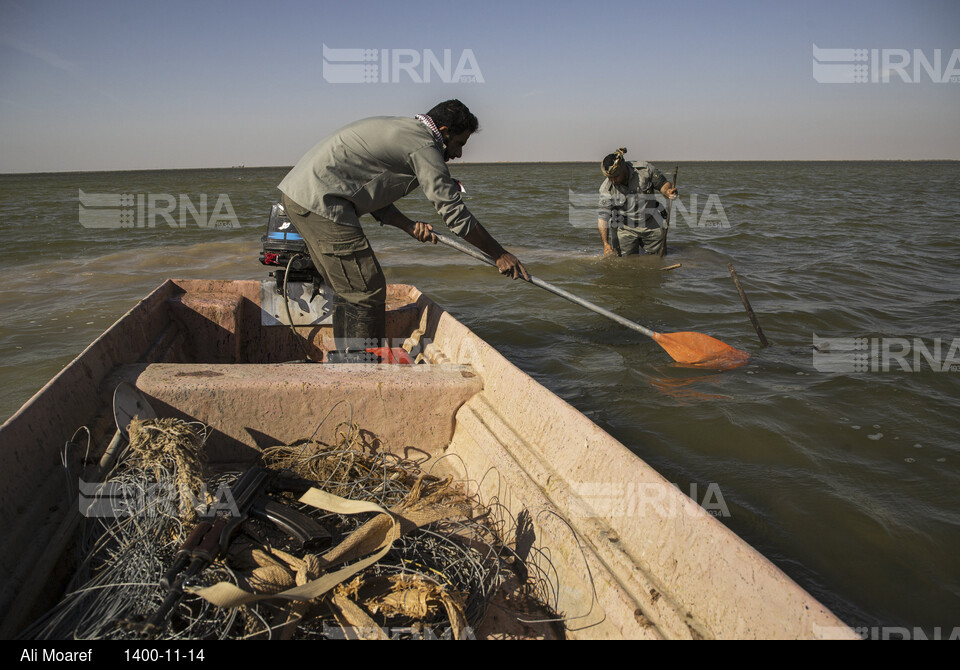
pixel 620 552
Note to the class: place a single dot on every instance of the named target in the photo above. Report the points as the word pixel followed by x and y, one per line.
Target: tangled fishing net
pixel 428 562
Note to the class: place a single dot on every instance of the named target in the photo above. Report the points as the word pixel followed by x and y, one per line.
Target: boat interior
pixel 221 353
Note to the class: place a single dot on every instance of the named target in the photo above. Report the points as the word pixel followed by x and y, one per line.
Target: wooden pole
pixel 746 304
pixel 666 224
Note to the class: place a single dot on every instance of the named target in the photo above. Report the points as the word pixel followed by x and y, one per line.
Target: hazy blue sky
pixel 99 85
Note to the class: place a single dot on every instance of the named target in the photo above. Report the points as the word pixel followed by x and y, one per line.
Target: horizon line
pixel 507 162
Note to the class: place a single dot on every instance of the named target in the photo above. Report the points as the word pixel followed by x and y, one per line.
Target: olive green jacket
pixel 368 165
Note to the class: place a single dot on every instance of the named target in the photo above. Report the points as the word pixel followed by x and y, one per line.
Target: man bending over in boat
pixel 364 168
pixel 629 206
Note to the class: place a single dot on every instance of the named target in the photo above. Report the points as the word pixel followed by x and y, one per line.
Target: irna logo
pixel 885 354
pixel 146 210
pixel 882 66
pixel 383 66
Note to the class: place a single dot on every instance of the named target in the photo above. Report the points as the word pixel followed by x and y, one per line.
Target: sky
pixel 109 85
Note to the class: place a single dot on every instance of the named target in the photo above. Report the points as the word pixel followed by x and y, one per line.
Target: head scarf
pixel 428 122
pixel 618 167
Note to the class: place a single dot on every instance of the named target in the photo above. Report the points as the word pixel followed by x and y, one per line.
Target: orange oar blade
pixel 699 350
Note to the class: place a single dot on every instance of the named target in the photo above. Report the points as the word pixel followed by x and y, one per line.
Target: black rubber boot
pixel 356 329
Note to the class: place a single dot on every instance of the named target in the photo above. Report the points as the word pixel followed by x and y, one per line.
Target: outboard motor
pixel 298 296
pixel 285 249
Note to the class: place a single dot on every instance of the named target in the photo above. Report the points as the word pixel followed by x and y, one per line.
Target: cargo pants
pixel 343 256
pixel 639 240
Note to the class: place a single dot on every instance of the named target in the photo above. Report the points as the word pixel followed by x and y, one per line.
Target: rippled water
pixel 846 479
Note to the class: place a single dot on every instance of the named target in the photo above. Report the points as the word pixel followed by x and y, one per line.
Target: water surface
pixel 847 479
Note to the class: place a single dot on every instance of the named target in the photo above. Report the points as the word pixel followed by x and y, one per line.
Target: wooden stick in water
pixel 666 224
pixel 746 304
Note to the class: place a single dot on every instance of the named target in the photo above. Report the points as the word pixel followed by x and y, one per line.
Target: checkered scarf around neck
pixel 428 122
pixel 618 167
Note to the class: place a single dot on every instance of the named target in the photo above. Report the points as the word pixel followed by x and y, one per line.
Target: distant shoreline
pixel 459 163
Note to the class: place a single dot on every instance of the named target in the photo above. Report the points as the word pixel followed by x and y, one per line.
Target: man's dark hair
pixel 455 116
pixel 608 161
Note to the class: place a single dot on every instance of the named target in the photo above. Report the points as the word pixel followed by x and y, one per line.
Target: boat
pixel 630 555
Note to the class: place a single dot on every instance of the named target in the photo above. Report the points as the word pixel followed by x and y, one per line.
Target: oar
pixel 694 349
pixel 666 224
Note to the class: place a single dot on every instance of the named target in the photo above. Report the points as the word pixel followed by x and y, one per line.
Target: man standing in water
pixel 363 169
pixel 628 204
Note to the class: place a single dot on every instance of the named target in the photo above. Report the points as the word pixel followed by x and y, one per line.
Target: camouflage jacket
pixel 635 203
